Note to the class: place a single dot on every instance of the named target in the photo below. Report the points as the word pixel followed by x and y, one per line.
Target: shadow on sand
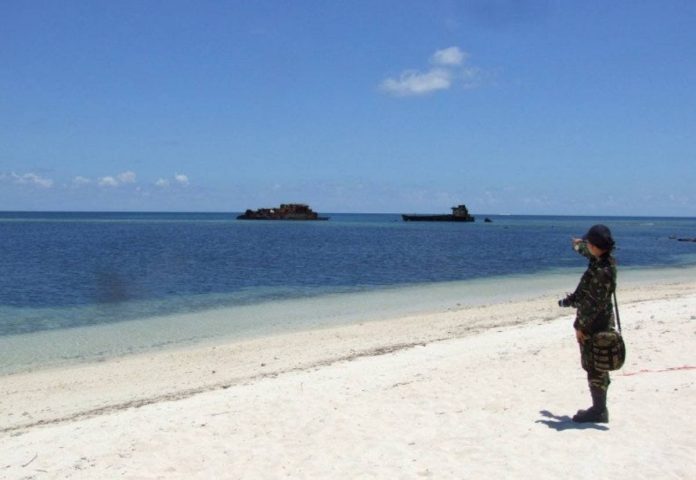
pixel 565 423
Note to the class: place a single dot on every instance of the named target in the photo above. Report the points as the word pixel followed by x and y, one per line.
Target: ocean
pixel 79 286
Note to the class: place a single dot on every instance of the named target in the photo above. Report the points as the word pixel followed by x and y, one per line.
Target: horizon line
pixel 231 212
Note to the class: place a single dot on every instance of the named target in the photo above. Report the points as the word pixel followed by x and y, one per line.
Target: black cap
pixel 600 236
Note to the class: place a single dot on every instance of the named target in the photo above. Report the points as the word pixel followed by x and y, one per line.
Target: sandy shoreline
pixel 477 391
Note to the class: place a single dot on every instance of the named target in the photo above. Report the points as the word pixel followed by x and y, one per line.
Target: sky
pixel 509 106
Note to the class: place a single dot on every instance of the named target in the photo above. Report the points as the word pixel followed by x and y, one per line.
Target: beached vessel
pixel 459 214
pixel 286 211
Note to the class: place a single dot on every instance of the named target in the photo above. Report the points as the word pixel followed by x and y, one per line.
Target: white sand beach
pixel 475 392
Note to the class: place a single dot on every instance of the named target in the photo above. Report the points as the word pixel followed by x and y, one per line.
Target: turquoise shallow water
pixel 46 348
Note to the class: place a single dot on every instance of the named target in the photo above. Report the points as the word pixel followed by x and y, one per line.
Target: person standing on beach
pixel 595 313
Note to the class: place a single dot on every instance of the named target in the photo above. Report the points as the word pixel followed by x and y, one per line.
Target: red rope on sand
pixel 671 369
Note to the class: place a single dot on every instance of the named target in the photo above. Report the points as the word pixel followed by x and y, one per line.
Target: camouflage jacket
pixel 593 295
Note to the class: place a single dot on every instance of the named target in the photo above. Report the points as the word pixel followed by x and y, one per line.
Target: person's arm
pixel 581 336
pixel 580 246
pixel 575 299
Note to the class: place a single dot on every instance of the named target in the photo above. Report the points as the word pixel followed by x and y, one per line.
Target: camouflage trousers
pixel 595 378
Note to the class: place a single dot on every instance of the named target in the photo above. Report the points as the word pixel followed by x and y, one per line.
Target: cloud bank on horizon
pixel 30 179
pixel 128 177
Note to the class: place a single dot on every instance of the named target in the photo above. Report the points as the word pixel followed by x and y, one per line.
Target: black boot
pixel 598 412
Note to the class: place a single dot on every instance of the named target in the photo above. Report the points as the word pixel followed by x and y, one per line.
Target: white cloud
pixel 81 180
pixel 179 179
pixel 32 179
pixel 108 182
pixel 451 56
pixel 120 179
pixel 126 177
pixel 415 83
pixel 448 70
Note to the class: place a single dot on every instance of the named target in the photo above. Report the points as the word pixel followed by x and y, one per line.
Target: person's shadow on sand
pixel 565 423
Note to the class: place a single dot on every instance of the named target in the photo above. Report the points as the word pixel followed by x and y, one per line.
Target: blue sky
pixel 523 107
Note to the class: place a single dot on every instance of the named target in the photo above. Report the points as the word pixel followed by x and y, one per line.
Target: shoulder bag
pixel 608 347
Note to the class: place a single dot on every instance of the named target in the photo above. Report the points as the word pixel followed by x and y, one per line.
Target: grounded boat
pixel 459 214
pixel 286 211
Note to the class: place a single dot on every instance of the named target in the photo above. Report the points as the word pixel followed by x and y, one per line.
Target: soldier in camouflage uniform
pixel 595 313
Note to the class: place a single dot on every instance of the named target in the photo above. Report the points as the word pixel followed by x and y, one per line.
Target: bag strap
pixel 616 307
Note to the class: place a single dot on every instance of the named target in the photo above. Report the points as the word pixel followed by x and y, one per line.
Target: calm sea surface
pixel 63 270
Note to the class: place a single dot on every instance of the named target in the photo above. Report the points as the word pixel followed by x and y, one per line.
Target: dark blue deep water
pixel 134 265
